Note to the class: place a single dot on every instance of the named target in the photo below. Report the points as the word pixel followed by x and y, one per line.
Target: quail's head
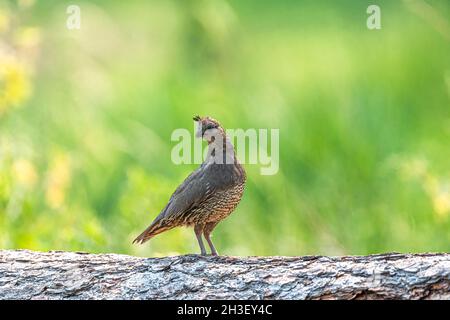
pixel 208 128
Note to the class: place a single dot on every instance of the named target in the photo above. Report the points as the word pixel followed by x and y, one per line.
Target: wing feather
pixel 194 190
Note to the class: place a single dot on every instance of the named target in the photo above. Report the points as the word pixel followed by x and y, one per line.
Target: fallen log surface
pixel 73 275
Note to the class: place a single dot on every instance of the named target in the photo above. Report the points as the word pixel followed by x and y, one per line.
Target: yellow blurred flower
pixel 59 177
pixel 437 189
pixel 4 21
pixel 439 195
pixel 441 203
pixel 24 173
pixel 28 37
pixel 14 84
pixel 26 3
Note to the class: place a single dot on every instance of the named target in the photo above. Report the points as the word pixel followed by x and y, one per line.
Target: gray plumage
pixel 209 194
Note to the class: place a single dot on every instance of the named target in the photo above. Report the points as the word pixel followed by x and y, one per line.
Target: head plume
pixel 207 126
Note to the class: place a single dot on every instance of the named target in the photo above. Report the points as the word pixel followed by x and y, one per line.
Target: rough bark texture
pixel 70 275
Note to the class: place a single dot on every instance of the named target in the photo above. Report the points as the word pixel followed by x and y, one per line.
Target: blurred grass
pixel 364 119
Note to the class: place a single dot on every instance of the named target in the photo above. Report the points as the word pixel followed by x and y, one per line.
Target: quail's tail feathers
pixel 149 233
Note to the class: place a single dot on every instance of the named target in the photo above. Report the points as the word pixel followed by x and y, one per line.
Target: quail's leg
pixel 198 229
pixel 207 233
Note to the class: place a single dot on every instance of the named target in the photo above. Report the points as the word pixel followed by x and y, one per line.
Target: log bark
pixel 73 275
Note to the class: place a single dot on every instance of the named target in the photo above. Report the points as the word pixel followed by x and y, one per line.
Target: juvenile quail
pixel 209 194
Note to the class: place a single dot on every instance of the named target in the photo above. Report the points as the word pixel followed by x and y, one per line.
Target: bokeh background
pixel 364 116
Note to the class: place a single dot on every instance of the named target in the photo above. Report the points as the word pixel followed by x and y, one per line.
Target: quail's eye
pixel 210 126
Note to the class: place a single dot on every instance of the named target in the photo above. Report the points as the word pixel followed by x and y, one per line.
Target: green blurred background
pixel 364 117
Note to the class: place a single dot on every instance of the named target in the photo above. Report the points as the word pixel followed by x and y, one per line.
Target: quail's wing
pixel 194 190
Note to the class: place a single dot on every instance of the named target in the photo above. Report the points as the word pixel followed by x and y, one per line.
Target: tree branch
pixel 69 275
